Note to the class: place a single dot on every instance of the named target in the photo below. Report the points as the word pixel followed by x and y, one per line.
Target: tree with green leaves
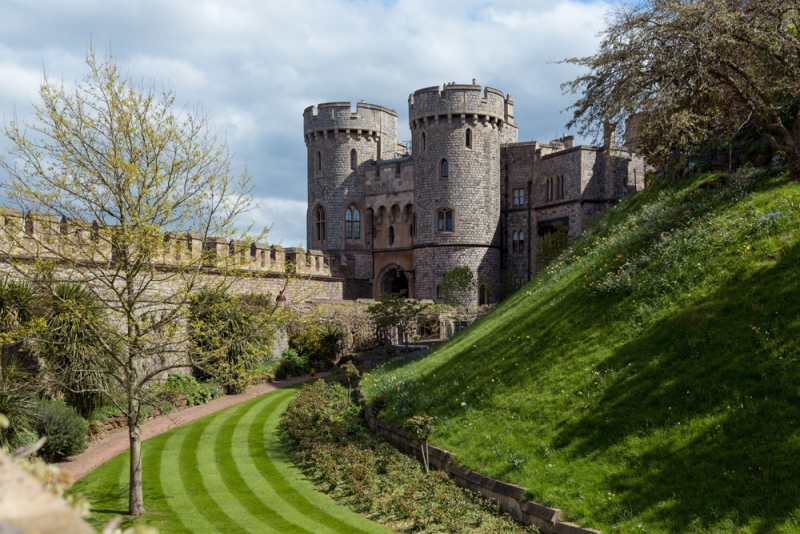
pixel 459 286
pixel 695 70
pixel 552 244
pixel 230 336
pixel 394 310
pixel 121 193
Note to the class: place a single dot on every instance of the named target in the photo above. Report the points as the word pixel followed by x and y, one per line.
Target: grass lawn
pixel 223 473
pixel 649 379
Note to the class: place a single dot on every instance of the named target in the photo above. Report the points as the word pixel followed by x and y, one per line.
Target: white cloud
pixel 255 65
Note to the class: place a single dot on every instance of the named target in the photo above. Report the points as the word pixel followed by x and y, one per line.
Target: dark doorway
pixel 394 281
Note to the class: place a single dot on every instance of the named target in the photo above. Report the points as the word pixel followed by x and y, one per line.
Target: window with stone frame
pixel 319 224
pixel 518 197
pixel 468 138
pixel 422 142
pixel 439 292
pixel 353 159
pixel 518 241
pixel 444 218
pixel 352 223
pixel 444 169
pixel 318 162
pixel 391 235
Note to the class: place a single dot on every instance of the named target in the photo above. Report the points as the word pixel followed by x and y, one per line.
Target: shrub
pixel 196 392
pixel 64 429
pixel 292 364
pixel 228 338
pixel 329 440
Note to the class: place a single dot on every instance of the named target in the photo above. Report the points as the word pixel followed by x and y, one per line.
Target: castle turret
pixel 339 143
pixel 456 134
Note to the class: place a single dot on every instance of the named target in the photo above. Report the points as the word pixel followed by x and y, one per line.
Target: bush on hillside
pixel 64 429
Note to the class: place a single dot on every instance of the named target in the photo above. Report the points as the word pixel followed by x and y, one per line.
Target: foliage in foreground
pixel 328 438
pixel 647 380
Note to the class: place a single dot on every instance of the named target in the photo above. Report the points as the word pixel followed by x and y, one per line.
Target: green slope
pixel 649 381
pixel 225 473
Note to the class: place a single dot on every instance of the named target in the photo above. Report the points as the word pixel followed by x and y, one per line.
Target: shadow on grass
pixel 713 394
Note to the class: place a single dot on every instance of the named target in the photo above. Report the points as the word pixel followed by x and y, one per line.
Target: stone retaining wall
pixel 510 497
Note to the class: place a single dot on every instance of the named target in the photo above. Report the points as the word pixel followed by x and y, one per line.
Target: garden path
pixel 102 450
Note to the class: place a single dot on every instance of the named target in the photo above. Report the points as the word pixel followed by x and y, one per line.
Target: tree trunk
pixel 794 166
pixel 135 497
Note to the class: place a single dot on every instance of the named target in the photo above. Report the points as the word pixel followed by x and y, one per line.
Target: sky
pixel 255 65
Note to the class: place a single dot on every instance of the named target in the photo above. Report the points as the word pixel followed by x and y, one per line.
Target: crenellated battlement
pixel 28 236
pixel 330 119
pixel 467 102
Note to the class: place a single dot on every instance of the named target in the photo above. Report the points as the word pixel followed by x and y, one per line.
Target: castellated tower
pixel 457 133
pixel 341 143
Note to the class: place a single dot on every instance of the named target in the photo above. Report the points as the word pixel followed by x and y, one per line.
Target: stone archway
pixel 394 281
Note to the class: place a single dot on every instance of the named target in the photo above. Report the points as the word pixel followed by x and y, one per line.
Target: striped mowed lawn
pixel 224 473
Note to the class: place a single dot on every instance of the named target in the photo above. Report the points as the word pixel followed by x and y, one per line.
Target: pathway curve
pixel 100 451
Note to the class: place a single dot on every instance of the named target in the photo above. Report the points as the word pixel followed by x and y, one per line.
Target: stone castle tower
pixel 391 217
pixel 340 144
pixel 457 132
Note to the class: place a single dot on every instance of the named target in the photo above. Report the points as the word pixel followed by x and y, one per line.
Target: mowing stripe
pixel 111 490
pixel 190 470
pixel 224 473
pixel 212 476
pixel 226 453
pixel 270 492
pixel 178 500
pixel 271 461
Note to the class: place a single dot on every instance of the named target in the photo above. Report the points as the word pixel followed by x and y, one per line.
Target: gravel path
pixel 104 449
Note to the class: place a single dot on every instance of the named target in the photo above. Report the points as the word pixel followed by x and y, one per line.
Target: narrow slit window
pixel 444 169
pixel 353 159
pixel 319 161
pixel 320 224
pixel 468 138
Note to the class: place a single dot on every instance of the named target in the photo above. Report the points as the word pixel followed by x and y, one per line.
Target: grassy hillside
pixel 649 381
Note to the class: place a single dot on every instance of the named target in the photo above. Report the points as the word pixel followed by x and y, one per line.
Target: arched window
pixel 521 243
pixel 319 224
pixel 468 140
pixel 319 161
pixel 352 223
pixel 444 169
pixel 423 141
pixel 445 220
pixel 353 159
pixel 514 241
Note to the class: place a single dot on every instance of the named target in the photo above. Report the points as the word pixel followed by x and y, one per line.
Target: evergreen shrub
pixel 64 429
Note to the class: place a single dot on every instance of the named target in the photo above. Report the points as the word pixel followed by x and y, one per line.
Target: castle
pixel 390 217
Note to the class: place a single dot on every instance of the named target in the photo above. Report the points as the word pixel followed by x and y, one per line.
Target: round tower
pixel 457 132
pixel 339 143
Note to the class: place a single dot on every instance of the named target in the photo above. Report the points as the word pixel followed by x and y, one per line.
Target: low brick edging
pixel 510 497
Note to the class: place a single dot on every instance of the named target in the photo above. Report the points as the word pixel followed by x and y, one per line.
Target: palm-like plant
pixel 71 348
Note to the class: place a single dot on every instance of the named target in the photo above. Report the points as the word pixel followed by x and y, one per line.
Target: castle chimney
pixel 609 134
